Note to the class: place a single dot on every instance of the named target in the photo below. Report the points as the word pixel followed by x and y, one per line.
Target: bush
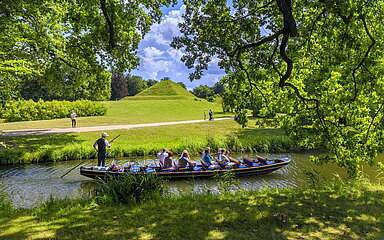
pixel 129 188
pixel 29 110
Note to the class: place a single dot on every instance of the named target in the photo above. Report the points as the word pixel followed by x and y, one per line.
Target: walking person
pixel 210 115
pixel 101 146
pixel 73 116
pixel 205 116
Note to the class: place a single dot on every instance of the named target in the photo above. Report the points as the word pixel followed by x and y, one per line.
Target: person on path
pixel 101 146
pixel 205 116
pixel 210 115
pixel 73 118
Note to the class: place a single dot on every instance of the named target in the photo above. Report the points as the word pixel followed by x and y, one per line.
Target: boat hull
pixel 240 171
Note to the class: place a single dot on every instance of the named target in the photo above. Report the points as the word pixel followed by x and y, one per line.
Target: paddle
pixel 85 161
pixel 115 138
pixel 72 169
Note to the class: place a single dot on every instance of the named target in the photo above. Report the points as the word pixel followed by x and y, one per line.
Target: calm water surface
pixel 32 184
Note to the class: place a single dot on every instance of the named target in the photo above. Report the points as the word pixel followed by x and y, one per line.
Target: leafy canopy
pixel 73 40
pixel 314 65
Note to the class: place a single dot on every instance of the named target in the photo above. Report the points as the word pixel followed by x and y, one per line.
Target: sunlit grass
pixel 292 213
pixel 131 112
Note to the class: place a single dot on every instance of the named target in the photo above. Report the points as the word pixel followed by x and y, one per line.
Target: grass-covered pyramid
pixel 164 90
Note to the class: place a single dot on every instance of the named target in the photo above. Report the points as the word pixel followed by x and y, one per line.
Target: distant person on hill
pixel 73 116
pixel 101 146
pixel 210 115
pixel 205 116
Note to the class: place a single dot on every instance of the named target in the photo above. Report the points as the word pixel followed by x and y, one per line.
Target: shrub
pixel 129 188
pixel 22 110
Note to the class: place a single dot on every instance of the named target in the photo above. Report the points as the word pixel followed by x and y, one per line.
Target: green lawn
pixel 143 141
pixel 130 112
pixel 334 212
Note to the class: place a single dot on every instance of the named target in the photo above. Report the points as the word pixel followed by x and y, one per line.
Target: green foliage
pixel 227 181
pixel 60 50
pixel 317 67
pixel 64 83
pixel 9 88
pixel 203 91
pixel 135 84
pixel 80 35
pixel 129 188
pixel 29 110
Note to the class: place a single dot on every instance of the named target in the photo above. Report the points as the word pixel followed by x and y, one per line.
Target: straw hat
pixel 104 134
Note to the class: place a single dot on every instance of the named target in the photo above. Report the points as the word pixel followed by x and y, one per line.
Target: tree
pixel 218 88
pixel 88 37
pixel 150 82
pixel 182 85
pixel 317 62
pixel 203 91
pixel 119 86
pixel 135 84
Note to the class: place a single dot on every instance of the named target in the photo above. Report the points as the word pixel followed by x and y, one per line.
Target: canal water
pixel 29 185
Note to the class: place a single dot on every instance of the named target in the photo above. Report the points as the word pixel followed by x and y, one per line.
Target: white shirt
pixel 161 156
pixel 73 116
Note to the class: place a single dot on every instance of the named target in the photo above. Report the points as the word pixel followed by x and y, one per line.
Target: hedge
pixel 23 110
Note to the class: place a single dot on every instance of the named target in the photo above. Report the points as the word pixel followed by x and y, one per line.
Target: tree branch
pixel 373 42
pixel 109 20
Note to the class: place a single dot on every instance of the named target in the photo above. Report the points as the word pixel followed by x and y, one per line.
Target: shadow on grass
pixel 323 214
pixel 35 142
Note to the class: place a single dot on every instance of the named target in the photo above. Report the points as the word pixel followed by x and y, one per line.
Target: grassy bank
pixel 146 141
pixel 333 211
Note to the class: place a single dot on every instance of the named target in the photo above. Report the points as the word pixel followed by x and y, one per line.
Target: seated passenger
pixel 161 157
pixel 221 158
pixel 168 161
pixel 206 158
pixel 233 160
pixel 185 160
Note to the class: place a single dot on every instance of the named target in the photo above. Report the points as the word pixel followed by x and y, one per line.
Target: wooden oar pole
pixel 72 169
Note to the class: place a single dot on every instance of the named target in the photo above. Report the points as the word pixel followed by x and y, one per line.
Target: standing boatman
pixel 101 146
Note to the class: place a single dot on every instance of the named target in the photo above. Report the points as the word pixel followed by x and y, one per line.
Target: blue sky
pixel 158 59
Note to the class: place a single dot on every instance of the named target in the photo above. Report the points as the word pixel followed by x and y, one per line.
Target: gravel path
pixel 26 132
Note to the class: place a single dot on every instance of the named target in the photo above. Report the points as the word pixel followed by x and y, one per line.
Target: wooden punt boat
pixel 197 172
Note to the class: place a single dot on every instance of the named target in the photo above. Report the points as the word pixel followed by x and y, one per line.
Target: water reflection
pixel 29 185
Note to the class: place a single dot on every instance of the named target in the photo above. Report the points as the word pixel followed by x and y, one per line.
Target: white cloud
pixel 164 31
pixel 175 54
pixel 152 52
pixel 159 60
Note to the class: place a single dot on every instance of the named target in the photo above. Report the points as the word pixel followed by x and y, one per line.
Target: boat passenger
pixel 221 158
pixel 206 159
pixel 165 159
pixel 232 159
pixel 161 157
pixel 185 160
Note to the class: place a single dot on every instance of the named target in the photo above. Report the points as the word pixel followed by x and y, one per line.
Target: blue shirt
pixel 207 158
